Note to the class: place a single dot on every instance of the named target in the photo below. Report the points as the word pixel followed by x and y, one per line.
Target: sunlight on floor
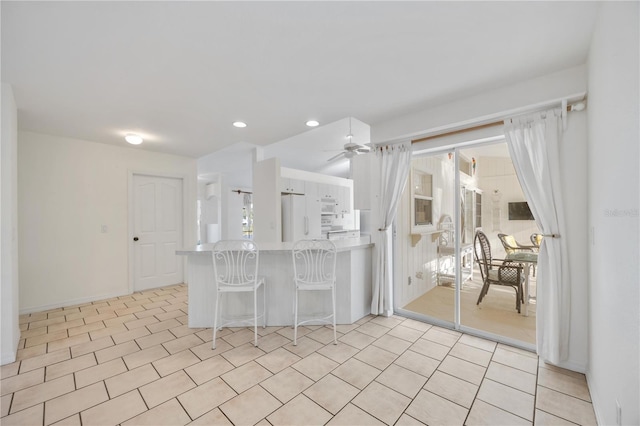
pixel 496 314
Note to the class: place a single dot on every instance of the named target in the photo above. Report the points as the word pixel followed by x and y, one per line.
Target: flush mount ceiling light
pixel 239 124
pixel 312 123
pixel 133 139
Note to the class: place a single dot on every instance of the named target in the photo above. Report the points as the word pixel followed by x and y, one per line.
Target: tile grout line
pixel 369 319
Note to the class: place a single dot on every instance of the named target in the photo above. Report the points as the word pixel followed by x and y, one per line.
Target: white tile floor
pixel 133 360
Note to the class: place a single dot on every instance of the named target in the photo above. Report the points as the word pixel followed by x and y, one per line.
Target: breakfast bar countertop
pixel 353 284
pixel 341 245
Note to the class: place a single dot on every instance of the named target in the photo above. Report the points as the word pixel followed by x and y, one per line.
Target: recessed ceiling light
pixel 133 139
pixel 239 124
pixel 312 123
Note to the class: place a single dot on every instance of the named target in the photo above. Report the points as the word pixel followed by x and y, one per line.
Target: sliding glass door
pixel 452 195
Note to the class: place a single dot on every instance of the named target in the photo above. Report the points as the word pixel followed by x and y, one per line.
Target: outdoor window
pixel 422 190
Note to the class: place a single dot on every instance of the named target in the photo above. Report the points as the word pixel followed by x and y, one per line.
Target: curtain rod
pixel 578 106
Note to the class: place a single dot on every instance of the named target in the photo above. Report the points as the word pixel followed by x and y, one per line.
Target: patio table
pixel 527 259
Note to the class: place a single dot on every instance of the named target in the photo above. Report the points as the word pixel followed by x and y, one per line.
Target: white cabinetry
pixel 312 189
pixel 341 196
pixel 343 200
pixel 328 191
pixel 292 186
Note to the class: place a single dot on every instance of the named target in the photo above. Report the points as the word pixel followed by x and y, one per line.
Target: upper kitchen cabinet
pixel 292 186
pixel 328 191
pixel 339 194
pixel 312 189
pixel 343 205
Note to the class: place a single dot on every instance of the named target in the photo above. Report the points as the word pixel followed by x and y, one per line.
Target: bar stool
pixel 314 269
pixel 235 269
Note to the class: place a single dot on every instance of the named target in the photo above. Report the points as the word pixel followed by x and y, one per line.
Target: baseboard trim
pixel 577 367
pixel 72 302
pixel 9 357
pixel 594 399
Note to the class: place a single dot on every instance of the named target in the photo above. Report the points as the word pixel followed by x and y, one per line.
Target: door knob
pixel 135 238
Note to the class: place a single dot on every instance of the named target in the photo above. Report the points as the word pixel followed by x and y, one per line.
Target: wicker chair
pixel 497 271
pixel 536 240
pixel 512 246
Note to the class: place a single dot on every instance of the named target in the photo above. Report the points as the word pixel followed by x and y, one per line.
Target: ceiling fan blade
pixel 335 157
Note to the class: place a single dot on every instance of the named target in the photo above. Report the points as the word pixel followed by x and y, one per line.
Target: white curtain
pixel 533 142
pixel 394 162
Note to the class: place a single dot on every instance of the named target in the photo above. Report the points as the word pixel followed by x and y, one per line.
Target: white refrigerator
pixel 300 217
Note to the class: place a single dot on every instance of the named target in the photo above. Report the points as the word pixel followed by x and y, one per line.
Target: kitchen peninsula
pixel 353 284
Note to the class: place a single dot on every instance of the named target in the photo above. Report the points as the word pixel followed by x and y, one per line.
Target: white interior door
pixel 157 231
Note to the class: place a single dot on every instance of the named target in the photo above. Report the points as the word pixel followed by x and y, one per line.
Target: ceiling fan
pixel 351 149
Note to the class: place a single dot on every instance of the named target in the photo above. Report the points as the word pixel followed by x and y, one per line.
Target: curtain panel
pixel 394 163
pixel 533 142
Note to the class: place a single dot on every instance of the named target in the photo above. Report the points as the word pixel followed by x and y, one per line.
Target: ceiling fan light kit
pixel 351 149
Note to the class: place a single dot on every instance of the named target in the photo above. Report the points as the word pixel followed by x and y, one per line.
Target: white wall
pixel 232 213
pixel 485 105
pixel 515 98
pixel 498 173
pixel 614 307
pixel 267 219
pixel 9 305
pixel 67 189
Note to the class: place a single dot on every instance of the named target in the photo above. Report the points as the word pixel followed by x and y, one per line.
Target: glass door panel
pixel 426 261
pixel 487 191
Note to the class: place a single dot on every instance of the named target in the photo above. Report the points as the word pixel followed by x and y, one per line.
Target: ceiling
pixel 179 73
pixel 310 150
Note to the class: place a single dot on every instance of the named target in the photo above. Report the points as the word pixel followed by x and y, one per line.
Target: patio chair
pixel 512 246
pixel 497 271
pixel 536 240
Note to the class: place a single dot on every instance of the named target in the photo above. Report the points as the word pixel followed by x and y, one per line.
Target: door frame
pixel 131 220
pixel 456 324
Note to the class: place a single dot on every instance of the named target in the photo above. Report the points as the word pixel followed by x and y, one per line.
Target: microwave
pixel 328 206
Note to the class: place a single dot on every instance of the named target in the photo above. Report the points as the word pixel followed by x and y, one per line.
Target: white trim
pixel 72 302
pixel 425 318
pixel 498 338
pixel 486 119
pixel 468 330
pixel 457 237
pixel 579 368
pixel 421 148
pixel 595 398
pixel 185 215
pixel 8 358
